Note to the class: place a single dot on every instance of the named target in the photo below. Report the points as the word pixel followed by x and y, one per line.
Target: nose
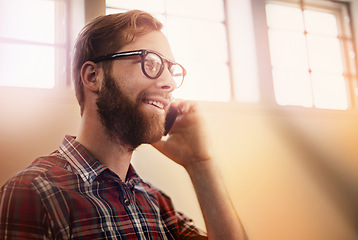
pixel 165 81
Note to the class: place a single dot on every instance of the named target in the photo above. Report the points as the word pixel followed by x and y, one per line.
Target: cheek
pixel 134 89
pixel 130 79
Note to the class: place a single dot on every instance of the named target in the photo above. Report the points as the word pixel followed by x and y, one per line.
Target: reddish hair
pixel 106 35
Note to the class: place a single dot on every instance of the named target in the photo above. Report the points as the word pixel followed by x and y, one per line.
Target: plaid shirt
pixel 71 195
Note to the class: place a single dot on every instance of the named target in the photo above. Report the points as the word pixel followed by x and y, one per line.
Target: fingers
pixel 185 106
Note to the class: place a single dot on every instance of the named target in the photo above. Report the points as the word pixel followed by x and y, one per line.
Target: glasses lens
pixel 152 65
pixel 178 74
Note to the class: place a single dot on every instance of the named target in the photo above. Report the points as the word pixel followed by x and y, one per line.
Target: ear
pixel 91 76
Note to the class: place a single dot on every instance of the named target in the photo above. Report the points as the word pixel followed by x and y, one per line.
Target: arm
pixel 21 213
pixel 188 144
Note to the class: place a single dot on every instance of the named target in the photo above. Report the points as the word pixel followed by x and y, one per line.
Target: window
pixel 198 38
pixel 312 54
pixel 33 43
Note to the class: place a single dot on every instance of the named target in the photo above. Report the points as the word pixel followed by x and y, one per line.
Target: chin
pixel 154 135
pixel 154 129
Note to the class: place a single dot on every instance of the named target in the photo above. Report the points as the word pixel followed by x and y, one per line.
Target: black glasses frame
pixel 143 53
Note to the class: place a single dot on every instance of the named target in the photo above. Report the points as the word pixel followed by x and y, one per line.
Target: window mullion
pixel 263 53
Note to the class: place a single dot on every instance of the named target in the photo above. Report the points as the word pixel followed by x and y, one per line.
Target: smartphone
pixel 170 119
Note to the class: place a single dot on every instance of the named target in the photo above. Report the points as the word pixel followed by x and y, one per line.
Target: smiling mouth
pixel 155 103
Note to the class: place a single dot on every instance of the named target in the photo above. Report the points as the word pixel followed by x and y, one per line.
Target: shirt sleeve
pixel 21 213
pixel 187 229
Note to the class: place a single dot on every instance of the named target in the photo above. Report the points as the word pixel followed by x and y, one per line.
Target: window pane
pixel 329 91
pixel 284 18
pixel 321 23
pixel 157 6
pixel 202 9
pixel 292 88
pixel 204 55
pixel 325 54
pixel 316 48
pixel 288 49
pixel 197 36
pixel 27 65
pixel 31 20
pixel 205 82
pixel 113 10
pixel 203 40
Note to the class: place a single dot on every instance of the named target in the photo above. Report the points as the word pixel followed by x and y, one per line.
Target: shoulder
pixel 42 167
pixel 157 196
pixel 39 181
pixel 154 191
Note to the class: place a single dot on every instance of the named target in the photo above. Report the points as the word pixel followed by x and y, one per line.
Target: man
pixel 124 76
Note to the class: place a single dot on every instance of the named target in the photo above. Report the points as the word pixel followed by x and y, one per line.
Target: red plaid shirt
pixel 71 195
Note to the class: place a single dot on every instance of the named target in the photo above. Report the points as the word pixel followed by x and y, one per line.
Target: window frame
pixel 62 61
pixel 59 82
pixel 341 9
pixel 81 11
pixel 267 101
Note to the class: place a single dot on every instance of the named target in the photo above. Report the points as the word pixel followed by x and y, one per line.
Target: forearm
pixel 220 217
pixel 189 145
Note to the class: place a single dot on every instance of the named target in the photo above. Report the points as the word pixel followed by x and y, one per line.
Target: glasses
pixel 152 64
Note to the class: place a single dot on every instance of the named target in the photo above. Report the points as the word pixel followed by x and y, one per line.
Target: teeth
pixel 155 103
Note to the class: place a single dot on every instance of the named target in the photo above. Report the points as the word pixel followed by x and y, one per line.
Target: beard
pixel 125 123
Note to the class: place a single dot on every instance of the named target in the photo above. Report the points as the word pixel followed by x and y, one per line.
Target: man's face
pixel 131 106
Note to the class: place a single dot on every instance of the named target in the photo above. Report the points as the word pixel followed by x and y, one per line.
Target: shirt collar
pixel 81 160
pixel 132 178
pixel 86 165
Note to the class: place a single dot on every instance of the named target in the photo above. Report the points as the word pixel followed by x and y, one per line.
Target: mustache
pixel 145 94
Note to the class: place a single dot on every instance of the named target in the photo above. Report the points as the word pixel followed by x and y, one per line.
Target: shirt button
pixel 126 202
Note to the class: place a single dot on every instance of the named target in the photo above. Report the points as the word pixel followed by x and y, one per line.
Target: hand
pixel 188 141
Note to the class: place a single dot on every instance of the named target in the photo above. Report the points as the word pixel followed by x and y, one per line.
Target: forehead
pixel 154 40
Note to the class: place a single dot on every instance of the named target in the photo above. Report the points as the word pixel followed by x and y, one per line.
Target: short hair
pixel 106 35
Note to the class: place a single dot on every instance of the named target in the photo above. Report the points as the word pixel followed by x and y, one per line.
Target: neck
pixel 93 136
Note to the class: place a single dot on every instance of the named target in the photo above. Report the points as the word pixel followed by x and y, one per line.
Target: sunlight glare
pixel 288 49
pixel 205 82
pixel 329 91
pixel 284 18
pixel 204 55
pixel 30 20
pixel 155 6
pixel 325 54
pixel 27 29
pixel 292 88
pixel 194 45
pixel 199 9
pixel 321 23
pixel 20 68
